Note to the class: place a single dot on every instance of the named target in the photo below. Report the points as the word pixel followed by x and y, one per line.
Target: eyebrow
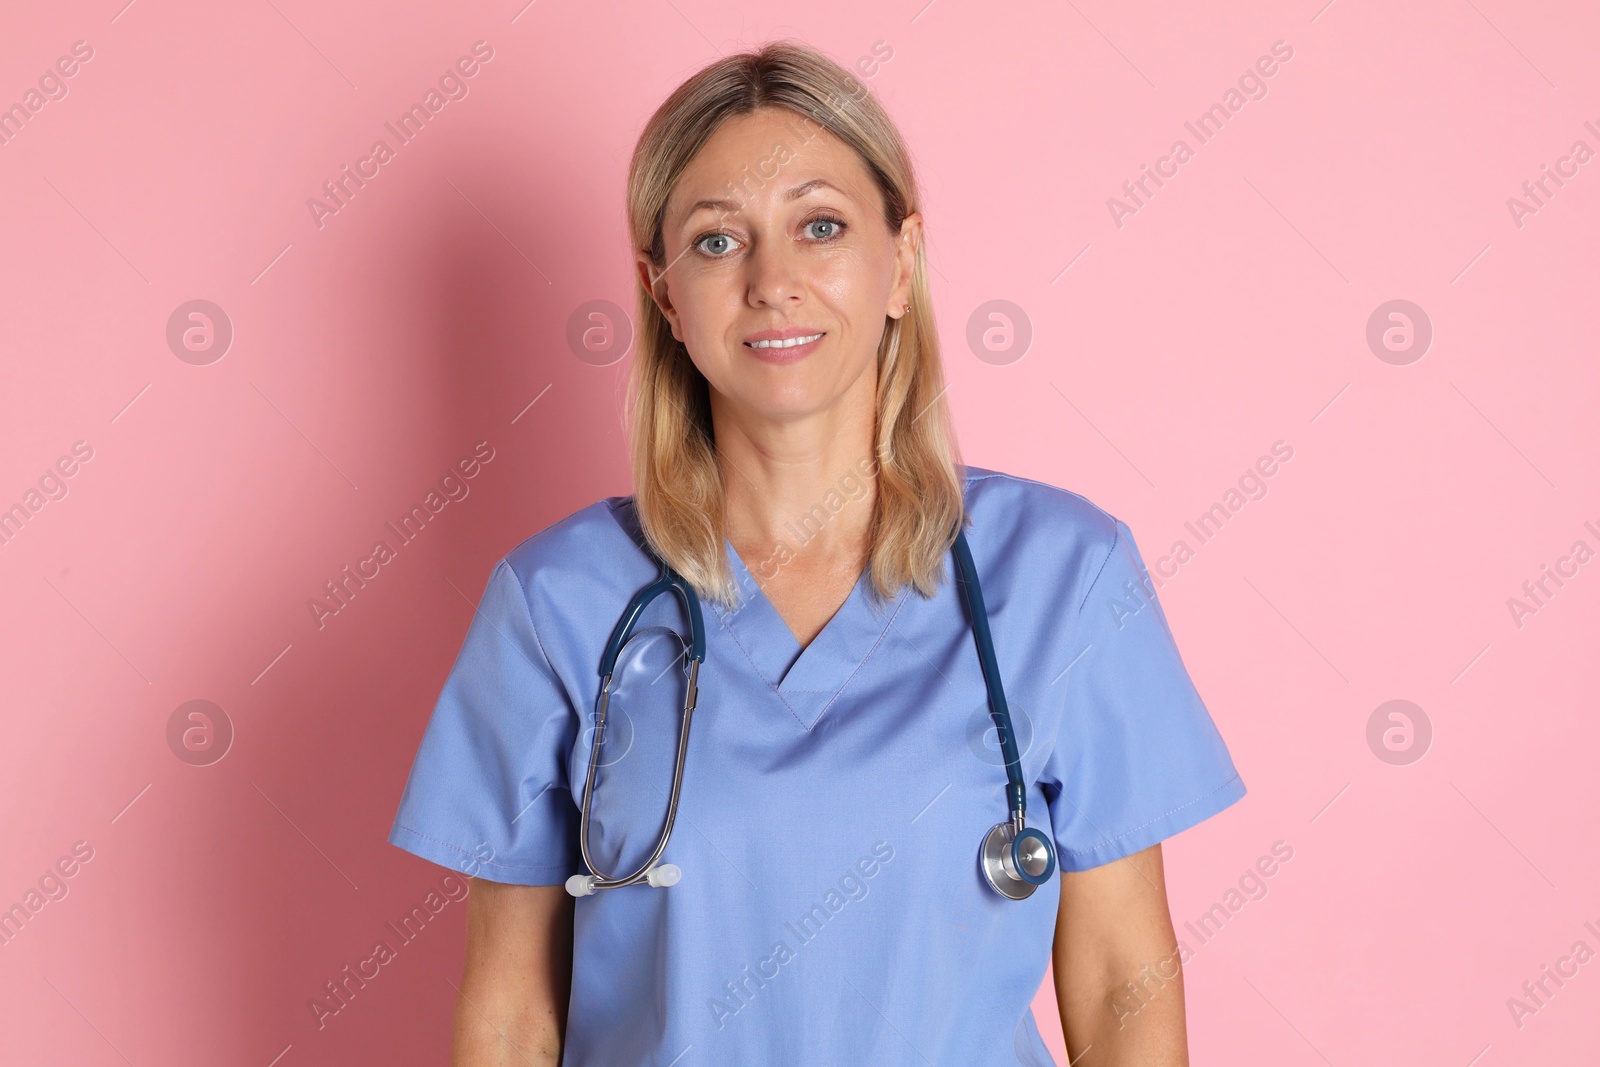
pixel 731 206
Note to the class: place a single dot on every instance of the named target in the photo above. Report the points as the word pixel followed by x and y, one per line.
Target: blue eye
pixel 837 224
pixel 701 244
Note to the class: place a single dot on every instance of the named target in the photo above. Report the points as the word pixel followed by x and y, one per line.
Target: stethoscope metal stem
pixel 599 879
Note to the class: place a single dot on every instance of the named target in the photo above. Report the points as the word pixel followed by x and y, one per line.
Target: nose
pixel 774 277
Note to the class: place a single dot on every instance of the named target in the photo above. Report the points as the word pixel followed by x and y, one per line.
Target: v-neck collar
pixel 806 680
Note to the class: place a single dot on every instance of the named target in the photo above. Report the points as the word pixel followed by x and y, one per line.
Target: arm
pixel 512 1011
pixel 1119 980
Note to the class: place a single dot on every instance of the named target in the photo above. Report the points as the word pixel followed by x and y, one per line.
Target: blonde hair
pixel 678 491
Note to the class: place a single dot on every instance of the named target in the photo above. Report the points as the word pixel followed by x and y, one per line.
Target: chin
pixel 793 401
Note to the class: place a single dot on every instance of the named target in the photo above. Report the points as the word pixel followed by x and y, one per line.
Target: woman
pixel 793 461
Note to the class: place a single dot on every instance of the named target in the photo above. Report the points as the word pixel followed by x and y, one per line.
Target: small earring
pixel 905 309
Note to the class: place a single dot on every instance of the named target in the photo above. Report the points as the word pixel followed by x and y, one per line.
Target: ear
pixel 656 285
pixel 905 264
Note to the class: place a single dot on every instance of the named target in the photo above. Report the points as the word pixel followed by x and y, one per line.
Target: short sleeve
pixel 1137 757
pixel 488 793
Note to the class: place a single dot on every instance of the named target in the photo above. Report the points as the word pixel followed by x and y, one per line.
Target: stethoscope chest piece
pixel 1016 864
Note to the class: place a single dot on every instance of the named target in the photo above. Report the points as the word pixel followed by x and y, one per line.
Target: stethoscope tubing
pixel 999 711
pixel 669 579
pixel 1015 859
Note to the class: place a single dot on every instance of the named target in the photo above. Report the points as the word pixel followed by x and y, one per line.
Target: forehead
pixel 760 157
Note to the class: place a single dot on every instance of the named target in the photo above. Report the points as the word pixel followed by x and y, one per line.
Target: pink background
pixel 369 355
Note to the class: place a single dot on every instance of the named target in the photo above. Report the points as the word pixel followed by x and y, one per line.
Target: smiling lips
pixel 784 346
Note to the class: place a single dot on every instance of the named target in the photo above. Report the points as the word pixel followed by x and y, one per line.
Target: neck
pixel 809 484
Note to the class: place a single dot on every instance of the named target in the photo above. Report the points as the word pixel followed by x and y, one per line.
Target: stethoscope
pixel 1015 859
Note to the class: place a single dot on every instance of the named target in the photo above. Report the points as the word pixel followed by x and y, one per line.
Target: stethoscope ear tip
pixel 661 876
pixel 664 875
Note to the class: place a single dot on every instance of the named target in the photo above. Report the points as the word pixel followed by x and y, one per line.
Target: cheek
pixel 709 311
pixel 855 284
pixel 706 305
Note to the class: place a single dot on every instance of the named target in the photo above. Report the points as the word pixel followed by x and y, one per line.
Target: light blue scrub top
pixel 832 910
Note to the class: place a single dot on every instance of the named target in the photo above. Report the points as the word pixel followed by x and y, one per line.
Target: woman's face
pixel 776 231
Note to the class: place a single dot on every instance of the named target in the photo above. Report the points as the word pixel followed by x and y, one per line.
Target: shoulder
pixel 996 490
pixel 582 556
pixel 1010 505
pixel 1039 529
